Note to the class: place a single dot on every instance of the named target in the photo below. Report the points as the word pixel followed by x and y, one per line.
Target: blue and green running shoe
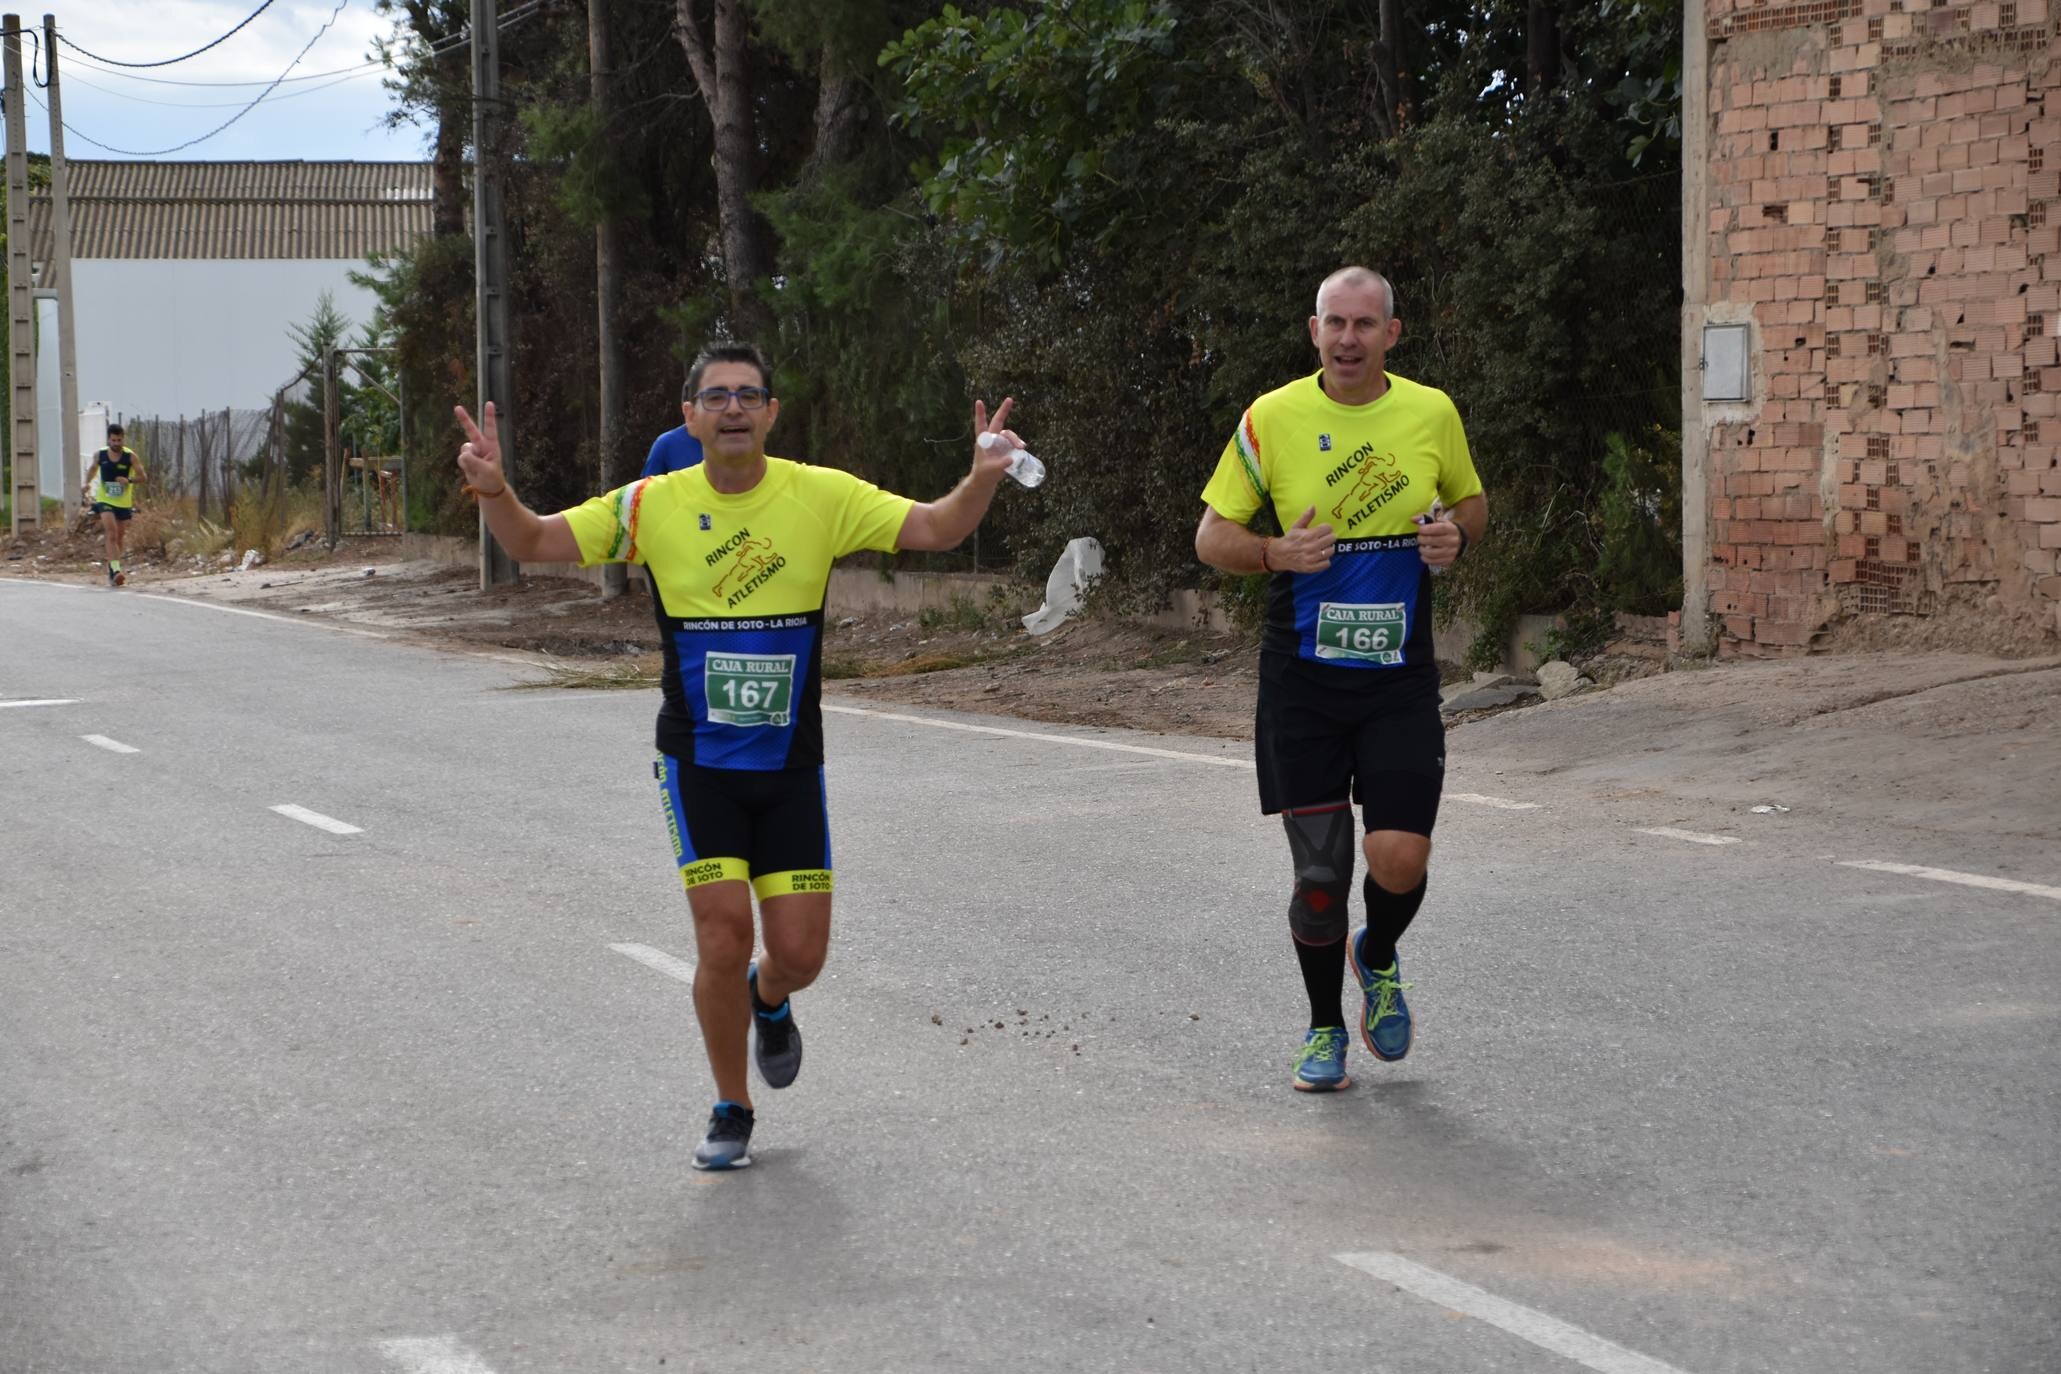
pixel 1385 1027
pixel 1320 1068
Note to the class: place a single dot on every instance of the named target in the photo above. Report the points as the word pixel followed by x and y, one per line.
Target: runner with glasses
pixel 738 550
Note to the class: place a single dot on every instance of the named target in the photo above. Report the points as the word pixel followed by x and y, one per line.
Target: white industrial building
pixel 189 276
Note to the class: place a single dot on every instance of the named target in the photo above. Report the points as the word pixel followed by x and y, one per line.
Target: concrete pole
pixel 1696 620
pixel 332 463
pixel 21 304
pixel 61 265
pixel 608 351
pixel 490 268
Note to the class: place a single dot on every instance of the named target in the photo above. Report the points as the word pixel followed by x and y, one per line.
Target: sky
pixel 337 117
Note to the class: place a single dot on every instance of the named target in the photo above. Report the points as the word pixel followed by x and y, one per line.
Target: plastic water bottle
pixel 1023 464
pixel 1437 512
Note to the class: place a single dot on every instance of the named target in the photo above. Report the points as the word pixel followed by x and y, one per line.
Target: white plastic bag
pixel 1075 572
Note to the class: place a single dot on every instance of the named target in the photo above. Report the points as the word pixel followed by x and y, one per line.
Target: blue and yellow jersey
pixel 111 479
pixel 738 581
pixel 1370 471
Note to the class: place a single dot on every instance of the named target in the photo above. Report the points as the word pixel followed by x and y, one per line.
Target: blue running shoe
pixel 728 1142
pixel 776 1042
pixel 1320 1068
pixel 1385 1028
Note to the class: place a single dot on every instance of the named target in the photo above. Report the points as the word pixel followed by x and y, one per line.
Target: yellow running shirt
pixel 1370 471
pixel 111 484
pixel 739 582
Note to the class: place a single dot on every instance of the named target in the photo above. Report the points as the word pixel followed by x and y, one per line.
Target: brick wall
pixel 1885 200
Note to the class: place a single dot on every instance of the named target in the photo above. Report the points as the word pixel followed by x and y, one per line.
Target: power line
pixel 172 81
pixel 436 49
pixel 180 148
pixel 74 79
pixel 433 50
pixel 170 61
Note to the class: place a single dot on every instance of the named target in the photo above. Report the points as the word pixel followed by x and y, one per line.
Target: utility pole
pixel 615 577
pixel 61 266
pixel 490 267
pixel 332 459
pixel 21 303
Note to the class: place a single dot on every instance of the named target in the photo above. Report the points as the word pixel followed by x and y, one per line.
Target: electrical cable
pixel 178 148
pixel 434 50
pixel 171 61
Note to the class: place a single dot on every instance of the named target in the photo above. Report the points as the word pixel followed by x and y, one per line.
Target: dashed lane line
pixel 1668 832
pixel 1500 803
pixel 1948 875
pixel 42 701
pixel 1076 741
pixel 658 959
pixel 113 746
pixel 1215 760
pixel 1526 1323
pixel 433 1355
pixel 317 819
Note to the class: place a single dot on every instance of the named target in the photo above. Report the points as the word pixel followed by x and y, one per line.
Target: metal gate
pixel 366 467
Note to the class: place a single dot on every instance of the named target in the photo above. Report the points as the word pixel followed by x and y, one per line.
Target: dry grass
pixel 920 663
pixel 617 674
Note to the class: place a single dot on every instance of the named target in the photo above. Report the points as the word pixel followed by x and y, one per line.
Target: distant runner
pixel 1348 694
pixel 677 448
pixel 738 550
pixel 110 490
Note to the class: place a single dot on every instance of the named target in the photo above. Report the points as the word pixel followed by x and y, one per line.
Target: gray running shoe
pixel 776 1042
pixel 728 1142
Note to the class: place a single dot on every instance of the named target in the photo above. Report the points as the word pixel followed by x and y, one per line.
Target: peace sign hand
pixel 480 458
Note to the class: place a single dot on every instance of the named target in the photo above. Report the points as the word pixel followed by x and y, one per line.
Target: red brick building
pixel 1878 204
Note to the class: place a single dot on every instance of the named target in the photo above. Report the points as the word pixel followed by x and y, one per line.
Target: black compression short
pixel 1383 744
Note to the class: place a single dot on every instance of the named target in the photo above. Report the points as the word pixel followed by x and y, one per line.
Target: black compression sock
pixel 1323 974
pixel 1388 915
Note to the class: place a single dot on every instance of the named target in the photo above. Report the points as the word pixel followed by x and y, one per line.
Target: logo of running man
pixel 706 523
pixel 1376 472
pixel 1323 443
pixel 752 556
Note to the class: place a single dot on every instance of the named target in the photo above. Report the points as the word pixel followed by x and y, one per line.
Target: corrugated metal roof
pixel 239 209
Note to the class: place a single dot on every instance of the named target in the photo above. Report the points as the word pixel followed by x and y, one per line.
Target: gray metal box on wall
pixel 1727 370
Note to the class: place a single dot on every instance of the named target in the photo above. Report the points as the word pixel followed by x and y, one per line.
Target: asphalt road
pixel 416 1097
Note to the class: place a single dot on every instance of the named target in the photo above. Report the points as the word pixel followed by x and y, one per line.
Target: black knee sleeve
pixel 1322 842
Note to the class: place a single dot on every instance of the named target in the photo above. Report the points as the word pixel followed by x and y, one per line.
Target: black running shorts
pixel 1375 738
pixel 770 828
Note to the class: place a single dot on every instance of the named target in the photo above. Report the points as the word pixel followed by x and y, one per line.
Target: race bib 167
pixel 749 689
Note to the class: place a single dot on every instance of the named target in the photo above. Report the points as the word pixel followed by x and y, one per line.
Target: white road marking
pixel 43 701
pixel 1501 803
pixel 1948 875
pixel 317 819
pixel 1668 832
pixel 205 605
pixel 658 959
pixel 1218 760
pixel 1548 1333
pixel 433 1355
pixel 113 746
